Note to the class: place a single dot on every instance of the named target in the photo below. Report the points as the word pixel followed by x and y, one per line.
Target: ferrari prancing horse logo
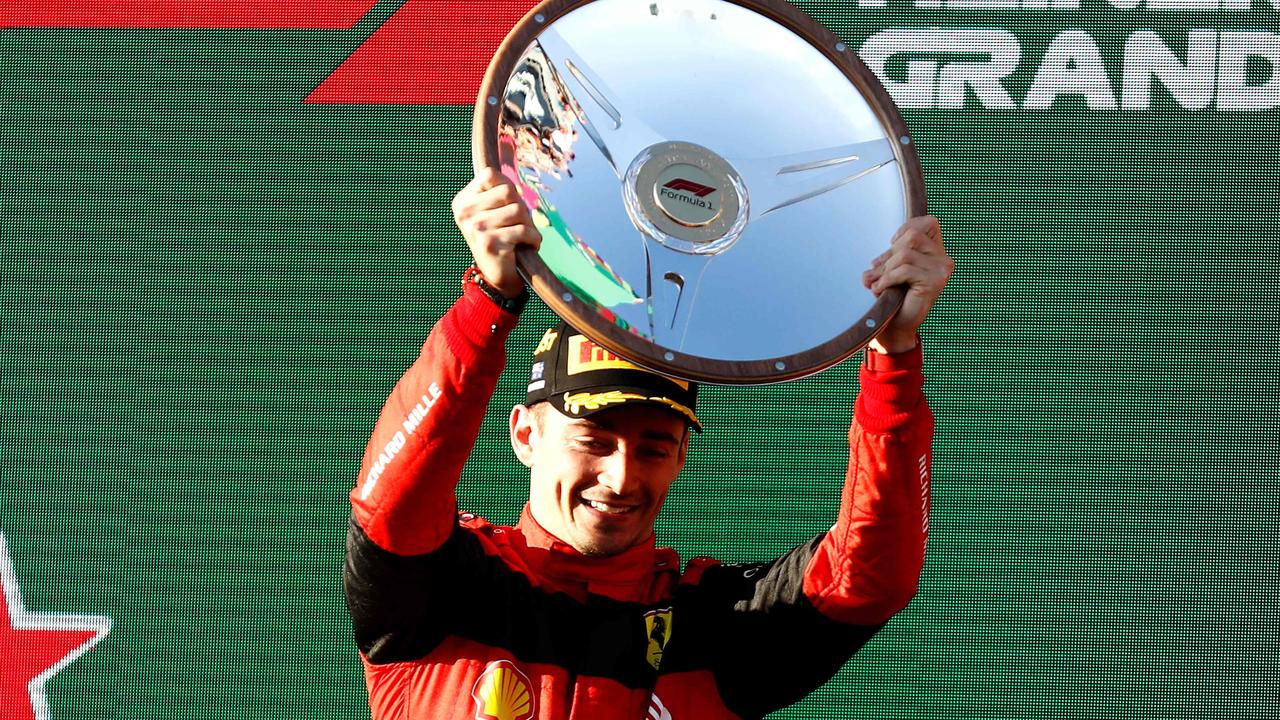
pixel 657 625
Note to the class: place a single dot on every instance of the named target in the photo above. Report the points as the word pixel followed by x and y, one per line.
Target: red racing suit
pixel 459 619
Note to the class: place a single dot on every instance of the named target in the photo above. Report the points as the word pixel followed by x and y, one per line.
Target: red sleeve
pixel 404 497
pixel 868 565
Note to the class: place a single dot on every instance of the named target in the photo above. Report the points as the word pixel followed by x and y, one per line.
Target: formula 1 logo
pixel 690 186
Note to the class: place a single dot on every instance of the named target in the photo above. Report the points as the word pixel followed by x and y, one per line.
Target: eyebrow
pixel 657 435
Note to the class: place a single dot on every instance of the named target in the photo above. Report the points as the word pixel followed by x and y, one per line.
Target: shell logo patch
pixel 657 624
pixel 503 692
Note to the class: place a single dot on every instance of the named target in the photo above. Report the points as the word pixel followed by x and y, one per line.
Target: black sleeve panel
pixel 396 608
pixel 765 642
pixel 403 607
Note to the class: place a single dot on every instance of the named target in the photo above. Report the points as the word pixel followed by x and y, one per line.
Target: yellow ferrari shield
pixel 658 625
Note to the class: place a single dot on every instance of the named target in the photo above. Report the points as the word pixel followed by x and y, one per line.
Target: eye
pixel 655 452
pixel 592 444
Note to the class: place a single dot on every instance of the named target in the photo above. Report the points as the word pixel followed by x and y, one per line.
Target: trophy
pixel 710 179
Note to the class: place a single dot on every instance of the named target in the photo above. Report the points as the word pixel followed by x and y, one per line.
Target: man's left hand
pixel 917 259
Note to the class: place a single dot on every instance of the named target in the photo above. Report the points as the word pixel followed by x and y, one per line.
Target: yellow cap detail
pixel 576 402
pixel 502 692
pixel 678 407
pixel 548 340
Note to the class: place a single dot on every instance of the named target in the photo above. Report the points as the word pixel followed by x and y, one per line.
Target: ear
pixel 524 432
pixel 684 446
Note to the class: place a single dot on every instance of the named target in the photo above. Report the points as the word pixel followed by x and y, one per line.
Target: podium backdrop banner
pixel 225 232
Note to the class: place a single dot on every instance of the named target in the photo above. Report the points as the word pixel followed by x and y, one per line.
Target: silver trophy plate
pixel 710 179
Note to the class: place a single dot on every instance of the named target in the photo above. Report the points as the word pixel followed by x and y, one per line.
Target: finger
pixel 903 258
pixel 926 277
pixel 900 255
pixel 508 215
pixel 485 201
pixel 921 223
pixel 463 197
pixel 490 177
pixel 915 248
pixel 900 275
pixel 926 224
pixel 533 238
pixel 484 192
pixel 921 232
pixel 503 241
pixel 497 196
pixel 917 241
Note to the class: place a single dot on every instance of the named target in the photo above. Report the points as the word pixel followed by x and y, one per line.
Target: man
pixel 575 612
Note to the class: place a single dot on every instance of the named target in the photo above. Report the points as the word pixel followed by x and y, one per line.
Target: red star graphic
pixel 35 646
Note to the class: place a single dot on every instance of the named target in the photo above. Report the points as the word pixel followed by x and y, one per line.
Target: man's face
pixel 598 483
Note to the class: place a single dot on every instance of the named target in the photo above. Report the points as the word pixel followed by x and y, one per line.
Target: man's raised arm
pixel 795 621
pixel 404 497
pixel 868 566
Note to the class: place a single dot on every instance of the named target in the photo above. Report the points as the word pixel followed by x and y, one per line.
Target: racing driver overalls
pixel 459 619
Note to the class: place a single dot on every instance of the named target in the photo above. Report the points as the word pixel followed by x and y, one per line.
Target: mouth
pixel 611 509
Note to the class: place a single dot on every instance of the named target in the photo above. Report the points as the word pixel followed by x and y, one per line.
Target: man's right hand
pixel 495 221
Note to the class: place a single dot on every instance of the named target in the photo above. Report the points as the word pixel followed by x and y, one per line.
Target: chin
pixel 601 547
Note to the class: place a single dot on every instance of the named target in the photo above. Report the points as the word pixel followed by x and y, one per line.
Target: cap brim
pixel 585 402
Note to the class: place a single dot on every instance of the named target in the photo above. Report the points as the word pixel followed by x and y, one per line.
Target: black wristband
pixel 512 305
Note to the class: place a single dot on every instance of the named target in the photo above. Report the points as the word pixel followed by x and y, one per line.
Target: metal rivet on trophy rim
pixel 669 356
pixel 567 297
pixel 871 322
pixel 539 18
pixel 493 100
pixel 840 47
pixel 779 365
pixel 905 139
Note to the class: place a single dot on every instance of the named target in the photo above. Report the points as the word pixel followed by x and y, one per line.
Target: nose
pixel 621 474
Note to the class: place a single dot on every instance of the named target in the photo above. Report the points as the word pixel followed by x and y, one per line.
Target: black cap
pixel 581 378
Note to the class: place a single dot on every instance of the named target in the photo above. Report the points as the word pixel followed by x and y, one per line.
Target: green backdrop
pixel 209 286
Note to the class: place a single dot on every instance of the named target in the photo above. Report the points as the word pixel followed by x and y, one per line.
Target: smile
pixel 609 508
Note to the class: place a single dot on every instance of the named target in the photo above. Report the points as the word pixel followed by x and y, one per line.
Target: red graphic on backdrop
pixel 213 14
pixel 35 646
pixel 429 52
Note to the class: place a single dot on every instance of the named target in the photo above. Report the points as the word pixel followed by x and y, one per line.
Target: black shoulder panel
pixel 752 625
pixel 404 607
pixel 394 600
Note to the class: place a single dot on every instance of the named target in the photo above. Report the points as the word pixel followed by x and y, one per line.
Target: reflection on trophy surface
pixel 709 181
pixel 538 131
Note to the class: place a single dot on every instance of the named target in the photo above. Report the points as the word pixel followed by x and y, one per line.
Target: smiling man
pixel 603 440
pixel 576 612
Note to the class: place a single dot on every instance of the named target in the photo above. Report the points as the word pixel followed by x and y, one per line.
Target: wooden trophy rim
pixel 484 141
